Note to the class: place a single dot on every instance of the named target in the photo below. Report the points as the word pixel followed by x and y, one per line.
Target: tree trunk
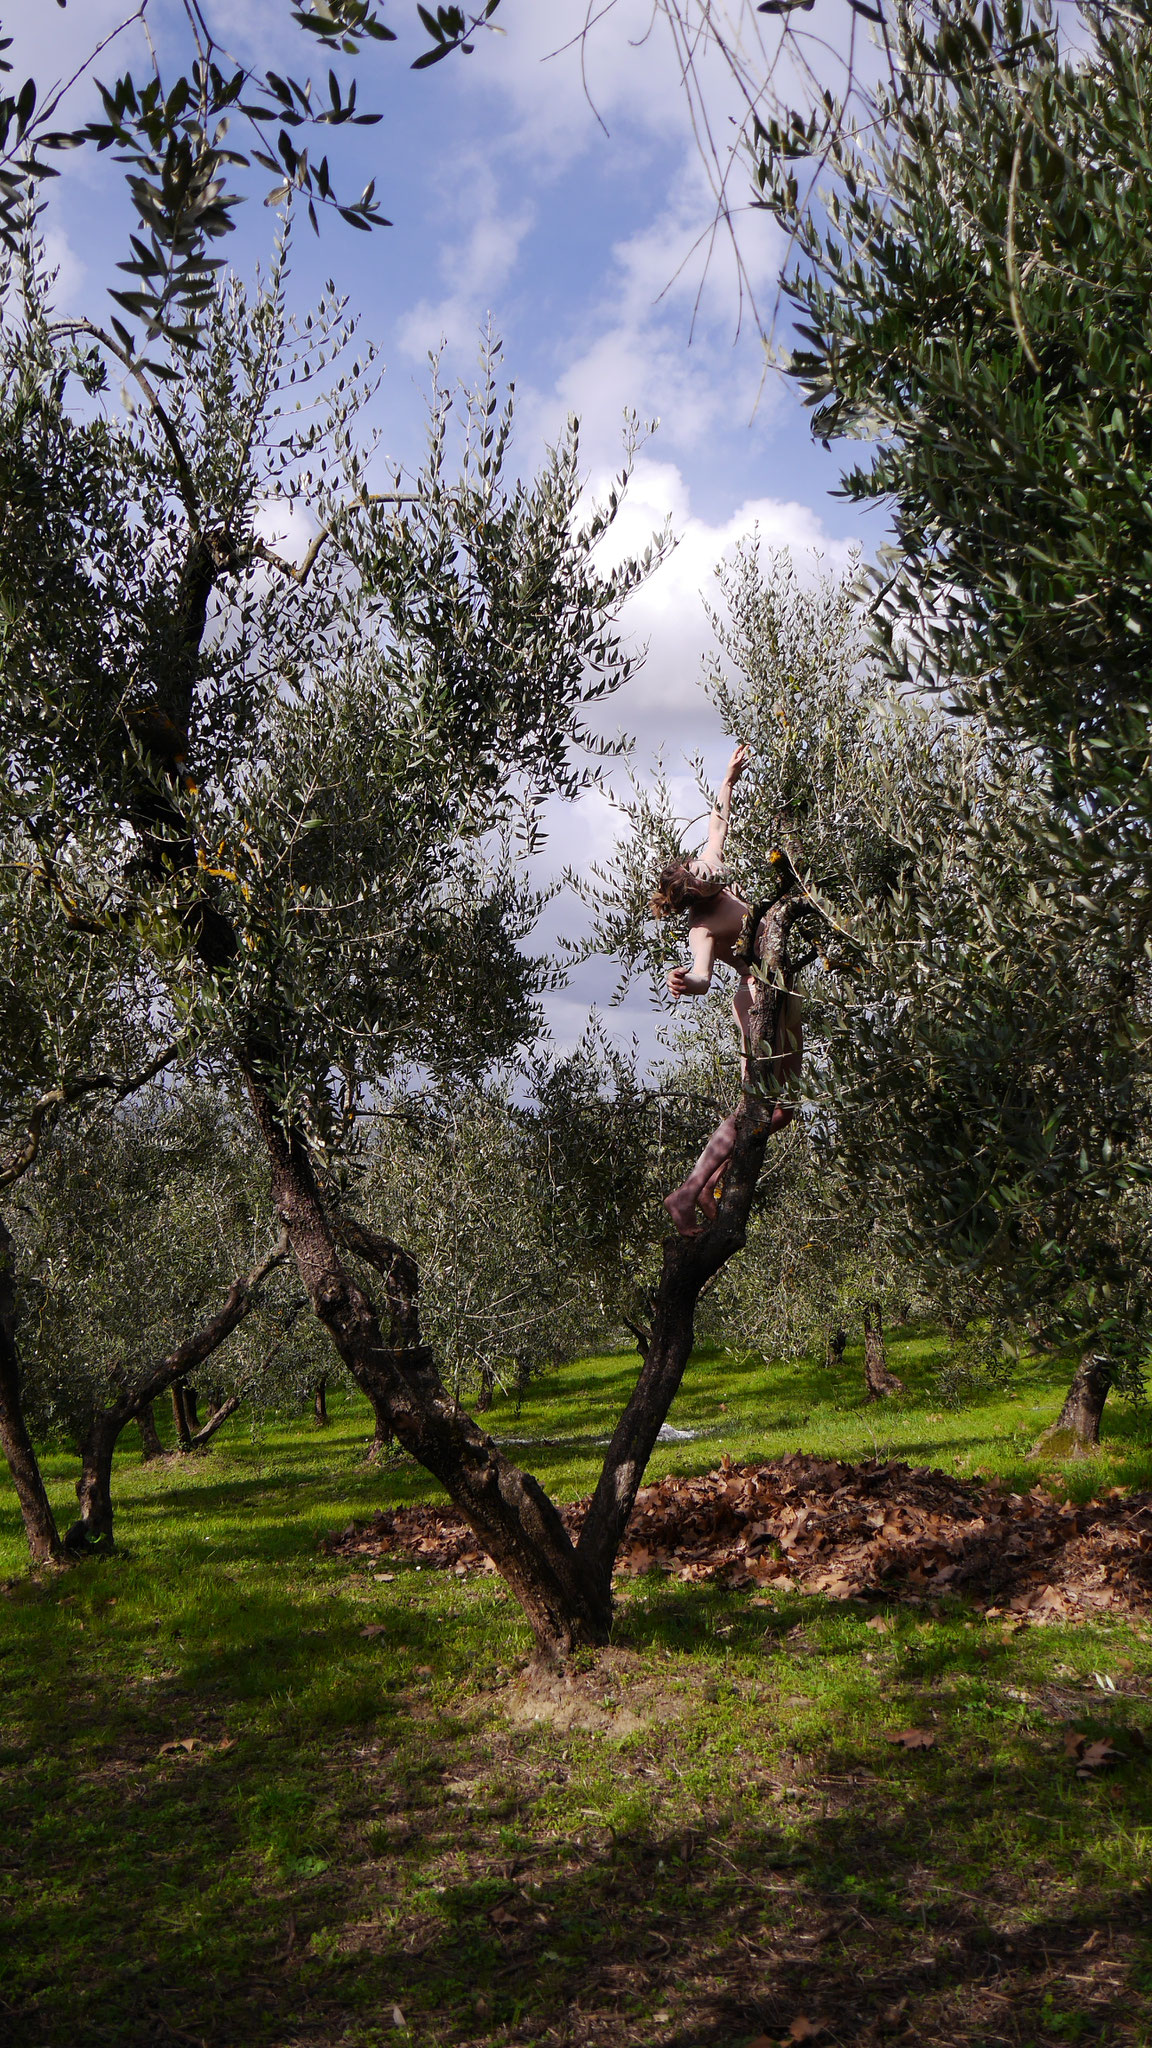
pixel 382 1437
pixel 151 1446
pixel 93 1531
pixel 1076 1429
pixel 191 1408
pixel 320 1405
pixel 180 1418
pixel 877 1376
pixel 484 1394
pixel 517 1524
pixel 834 1346
pixel 565 1591
pixel 216 1420
pixel 35 1506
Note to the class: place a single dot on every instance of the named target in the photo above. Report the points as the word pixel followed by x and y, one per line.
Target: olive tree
pixel 299 785
pixel 975 1047
pixel 145 1254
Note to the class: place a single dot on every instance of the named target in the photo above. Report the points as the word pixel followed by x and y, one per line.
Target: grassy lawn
pixel 231 1816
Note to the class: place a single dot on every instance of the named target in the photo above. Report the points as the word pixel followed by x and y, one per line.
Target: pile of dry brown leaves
pixel 821 1526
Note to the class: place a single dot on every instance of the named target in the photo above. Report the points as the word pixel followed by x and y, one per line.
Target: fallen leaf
pixel 187 1743
pixel 912 1738
pixel 803 2029
pixel 879 1624
pixel 384 1578
pixel 1096 1755
pixel 375 1628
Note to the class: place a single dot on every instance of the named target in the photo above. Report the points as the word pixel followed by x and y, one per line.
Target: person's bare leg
pixel 708 1198
pixel 681 1203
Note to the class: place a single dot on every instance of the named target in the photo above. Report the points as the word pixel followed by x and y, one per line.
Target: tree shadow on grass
pixel 730 1928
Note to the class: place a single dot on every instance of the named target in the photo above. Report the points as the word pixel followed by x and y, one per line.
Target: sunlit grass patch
pixel 230 1810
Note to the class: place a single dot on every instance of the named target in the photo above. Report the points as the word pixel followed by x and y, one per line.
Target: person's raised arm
pixel 713 853
pixel 694 982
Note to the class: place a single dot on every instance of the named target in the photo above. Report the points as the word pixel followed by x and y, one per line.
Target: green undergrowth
pixel 231 1816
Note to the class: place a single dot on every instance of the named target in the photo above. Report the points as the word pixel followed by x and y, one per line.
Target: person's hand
pixel 736 765
pixel 678 979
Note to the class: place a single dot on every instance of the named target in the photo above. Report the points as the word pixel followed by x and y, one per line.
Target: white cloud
pixel 476 268
pixel 562 87
pixel 670 611
pixel 70 272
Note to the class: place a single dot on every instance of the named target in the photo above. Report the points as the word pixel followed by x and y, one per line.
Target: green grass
pixel 705 1838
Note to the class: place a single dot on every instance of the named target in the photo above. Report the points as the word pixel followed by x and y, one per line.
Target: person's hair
pixel 677 889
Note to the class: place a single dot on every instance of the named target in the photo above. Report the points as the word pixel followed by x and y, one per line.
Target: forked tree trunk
pixel 93 1530
pixel 1077 1427
pixel 151 1446
pixel 35 1506
pixel 876 1374
pixel 216 1420
pixel 565 1590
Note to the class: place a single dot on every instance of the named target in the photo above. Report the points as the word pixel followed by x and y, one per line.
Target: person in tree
pixel 722 925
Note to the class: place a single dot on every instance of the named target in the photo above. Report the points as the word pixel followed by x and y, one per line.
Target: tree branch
pixel 187 1356
pixel 300 572
pixel 43 1113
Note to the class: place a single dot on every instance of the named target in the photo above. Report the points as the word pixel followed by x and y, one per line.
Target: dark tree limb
pixel 93 1529
pixel 151 1446
pixel 43 1113
pixel 216 1420
pixel 35 1506
pixel 517 1523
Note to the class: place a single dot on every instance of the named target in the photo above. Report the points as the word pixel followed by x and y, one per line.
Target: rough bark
pixel 1076 1430
pixel 877 1377
pixel 320 1405
pixel 35 1507
pixel 151 1446
pixel 513 1517
pixel 565 1590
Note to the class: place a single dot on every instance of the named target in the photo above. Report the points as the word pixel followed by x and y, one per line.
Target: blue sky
pixel 509 200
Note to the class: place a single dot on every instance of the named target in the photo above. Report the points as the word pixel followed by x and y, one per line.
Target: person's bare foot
pixel 682 1210
pixel 708 1200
